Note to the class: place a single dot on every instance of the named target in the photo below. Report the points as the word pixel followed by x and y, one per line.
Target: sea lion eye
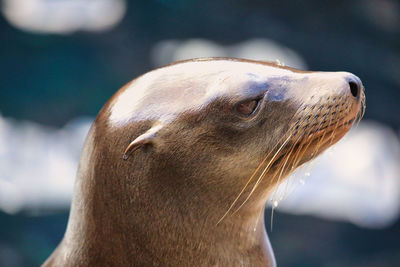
pixel 248 107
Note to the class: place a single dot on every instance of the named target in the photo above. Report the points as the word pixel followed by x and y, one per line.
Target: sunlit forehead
pixel 223 77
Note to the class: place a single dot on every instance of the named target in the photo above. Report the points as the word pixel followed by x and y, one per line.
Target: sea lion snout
pixel 334 89
pixel 329 111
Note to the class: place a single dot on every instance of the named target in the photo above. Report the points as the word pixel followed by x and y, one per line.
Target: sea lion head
pixel 224 126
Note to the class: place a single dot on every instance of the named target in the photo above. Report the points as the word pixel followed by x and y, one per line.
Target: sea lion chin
pixel 179 163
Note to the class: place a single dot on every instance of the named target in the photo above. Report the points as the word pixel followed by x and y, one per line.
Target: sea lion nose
pixel 355 85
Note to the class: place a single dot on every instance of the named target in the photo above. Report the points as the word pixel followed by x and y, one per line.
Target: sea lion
pixel 179 163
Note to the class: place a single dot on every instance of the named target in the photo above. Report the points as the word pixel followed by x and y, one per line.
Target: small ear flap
pixel 144 139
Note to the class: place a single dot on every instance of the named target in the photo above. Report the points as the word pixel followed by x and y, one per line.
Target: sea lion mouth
pixel 302 149
pixel 327 130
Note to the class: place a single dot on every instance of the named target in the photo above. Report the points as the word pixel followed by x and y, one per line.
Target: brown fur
pixel 163 205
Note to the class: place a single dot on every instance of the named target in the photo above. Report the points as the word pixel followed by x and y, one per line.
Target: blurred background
pixel 61 60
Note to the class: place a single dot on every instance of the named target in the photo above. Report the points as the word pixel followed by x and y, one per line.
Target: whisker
pixel 258 168
pixel 361 113
pixel 293 159
pixel 295 152
pixel 272 217
pixel 331 137
pixel 264 171
pixel 283 167
pixel 322 138
pixel 302 144
pixel 269 165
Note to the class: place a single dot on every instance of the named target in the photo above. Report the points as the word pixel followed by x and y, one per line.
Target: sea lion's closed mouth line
pixel 320 131
pixel 310 137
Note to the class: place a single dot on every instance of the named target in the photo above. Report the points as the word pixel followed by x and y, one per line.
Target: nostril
pixel 354 88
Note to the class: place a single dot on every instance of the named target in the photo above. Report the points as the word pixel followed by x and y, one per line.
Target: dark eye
pixel 248 107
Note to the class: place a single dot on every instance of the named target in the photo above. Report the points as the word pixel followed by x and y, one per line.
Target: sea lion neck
pixel 122 217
